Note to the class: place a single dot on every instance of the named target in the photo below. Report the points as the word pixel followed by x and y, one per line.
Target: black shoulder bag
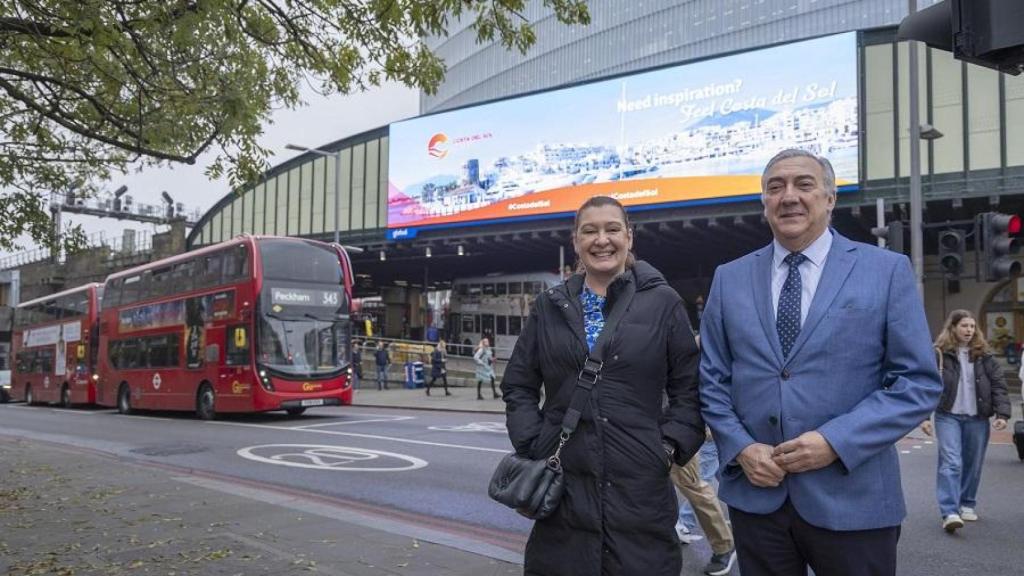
pixel 535 487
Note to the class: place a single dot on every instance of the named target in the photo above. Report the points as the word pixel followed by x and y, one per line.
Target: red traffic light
pixel 1013 226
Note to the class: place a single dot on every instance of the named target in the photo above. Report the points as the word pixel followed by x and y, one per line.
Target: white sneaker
pixel 967 513
pixel 952 523
pixel 685 536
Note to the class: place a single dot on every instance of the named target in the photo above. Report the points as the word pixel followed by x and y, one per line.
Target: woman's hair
pixel 441 344
pixel 948 342
pixel 597 202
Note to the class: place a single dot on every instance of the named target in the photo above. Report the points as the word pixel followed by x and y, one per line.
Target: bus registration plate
pixel 314 402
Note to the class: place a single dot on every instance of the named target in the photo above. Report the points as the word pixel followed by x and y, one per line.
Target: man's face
pixel 796 203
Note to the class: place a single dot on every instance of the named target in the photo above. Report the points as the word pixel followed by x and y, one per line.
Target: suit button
pixel 785 374
pixel 773 420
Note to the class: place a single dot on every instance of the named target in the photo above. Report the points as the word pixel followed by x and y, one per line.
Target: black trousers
pixel 783 544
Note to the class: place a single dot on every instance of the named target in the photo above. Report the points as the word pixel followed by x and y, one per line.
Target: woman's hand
pixel 927 428
pixel 999 424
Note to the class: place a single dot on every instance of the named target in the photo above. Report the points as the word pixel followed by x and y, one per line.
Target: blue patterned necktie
pixel 787 320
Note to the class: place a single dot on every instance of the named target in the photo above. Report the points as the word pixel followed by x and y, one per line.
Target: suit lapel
pixel 841 258
pixel 761 284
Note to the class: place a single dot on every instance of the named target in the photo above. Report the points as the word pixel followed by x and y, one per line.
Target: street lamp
pixel 337 181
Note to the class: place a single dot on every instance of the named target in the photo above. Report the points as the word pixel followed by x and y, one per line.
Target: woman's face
pixel 485 342
pixel 602 241
pixel 964 330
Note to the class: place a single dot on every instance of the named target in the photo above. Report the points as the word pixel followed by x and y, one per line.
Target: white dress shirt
pixel 810 271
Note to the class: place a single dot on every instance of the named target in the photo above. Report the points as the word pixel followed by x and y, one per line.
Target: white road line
pixel 382 418
pixel 67 411
pixel 371 436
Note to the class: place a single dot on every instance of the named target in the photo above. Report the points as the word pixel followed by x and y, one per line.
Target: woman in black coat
pixel 619 509
pixel 439 367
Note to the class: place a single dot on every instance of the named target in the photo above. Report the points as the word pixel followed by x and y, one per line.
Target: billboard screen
pixel 692 133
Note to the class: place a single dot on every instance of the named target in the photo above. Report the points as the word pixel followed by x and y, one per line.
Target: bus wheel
pixel 65 397
pixel 205 403
pixel 124 400
pixel 295 411
pixel 30 398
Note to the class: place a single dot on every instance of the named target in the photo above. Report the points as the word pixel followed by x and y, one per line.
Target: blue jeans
pixel 962 443
pixel 382 377
pixel 708 469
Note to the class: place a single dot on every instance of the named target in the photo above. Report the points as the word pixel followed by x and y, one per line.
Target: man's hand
pixel 928 428
pixel 809 451
pixel 757 464
pixel 999 424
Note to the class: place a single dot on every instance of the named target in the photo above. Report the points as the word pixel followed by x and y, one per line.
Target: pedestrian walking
pixel 618 510
pixel 815 360
pixel 484 359
pixel 702 501
pixel 696 483
pixel 973 390
pixel 439 367
pixel 357 364
pixel 382 359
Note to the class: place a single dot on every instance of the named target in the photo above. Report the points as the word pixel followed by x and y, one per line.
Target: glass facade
pixel 299 197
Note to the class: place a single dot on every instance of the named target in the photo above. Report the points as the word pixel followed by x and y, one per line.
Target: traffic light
pixel 893 234
pixel 951 253
pixel 998 245
pixel 984 32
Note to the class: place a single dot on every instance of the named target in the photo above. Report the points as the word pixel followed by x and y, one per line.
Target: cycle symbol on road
pixel 335 458
pixel 497 427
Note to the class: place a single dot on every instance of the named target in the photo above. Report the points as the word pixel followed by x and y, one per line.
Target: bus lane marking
pixel 496 427
pixel 370 437
pixel 373 418
pixel 333 458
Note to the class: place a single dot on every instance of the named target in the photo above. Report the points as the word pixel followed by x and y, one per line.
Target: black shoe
pixel 496 395
pixel 447 393
pixel 479 397
pixel 428 391
pixel 720 564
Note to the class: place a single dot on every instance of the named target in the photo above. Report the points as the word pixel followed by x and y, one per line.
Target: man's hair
pixel 826 167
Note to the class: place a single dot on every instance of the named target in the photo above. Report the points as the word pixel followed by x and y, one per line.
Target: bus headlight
pixel 265 381
pixel 95 377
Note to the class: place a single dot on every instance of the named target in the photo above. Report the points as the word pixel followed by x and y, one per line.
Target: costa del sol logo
pixel 438 145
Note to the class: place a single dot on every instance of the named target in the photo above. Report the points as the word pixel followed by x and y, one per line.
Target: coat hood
pixel 647 276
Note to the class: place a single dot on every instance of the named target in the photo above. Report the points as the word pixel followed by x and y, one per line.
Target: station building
pixel 977 165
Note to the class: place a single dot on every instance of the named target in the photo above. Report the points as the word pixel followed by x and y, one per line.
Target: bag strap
pixel 591 371
pixel 938 353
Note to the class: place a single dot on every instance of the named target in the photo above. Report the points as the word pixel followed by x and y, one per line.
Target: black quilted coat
pixel 620 507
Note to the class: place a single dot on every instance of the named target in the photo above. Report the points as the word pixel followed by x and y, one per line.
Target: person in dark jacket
pixel 382 359
pixel 439 367
pixel 619 509
pixel 357 364
pixel 973 390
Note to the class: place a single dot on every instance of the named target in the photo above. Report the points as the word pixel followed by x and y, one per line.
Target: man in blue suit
pixel 816 358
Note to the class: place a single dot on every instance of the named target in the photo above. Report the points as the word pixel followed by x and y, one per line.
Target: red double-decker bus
pixel 248 325
pixel 55 347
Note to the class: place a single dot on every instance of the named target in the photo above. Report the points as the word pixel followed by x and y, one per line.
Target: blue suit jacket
pixel 861 372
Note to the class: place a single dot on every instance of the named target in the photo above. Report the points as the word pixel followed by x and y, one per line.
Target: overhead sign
pixel 692 133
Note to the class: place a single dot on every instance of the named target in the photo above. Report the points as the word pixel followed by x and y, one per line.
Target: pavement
pixel 71 512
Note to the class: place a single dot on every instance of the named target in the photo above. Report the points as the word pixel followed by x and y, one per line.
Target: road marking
pixel 370 436
pixel 333 458
pixel 83 413
pixel 498 427
pixel 376 418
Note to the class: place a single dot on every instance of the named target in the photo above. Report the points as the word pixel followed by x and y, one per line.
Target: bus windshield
pixel 306 346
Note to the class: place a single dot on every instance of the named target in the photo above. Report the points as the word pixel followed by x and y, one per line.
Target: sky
pixel 322 120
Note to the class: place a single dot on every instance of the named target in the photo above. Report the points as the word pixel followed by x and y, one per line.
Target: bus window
pixel 515 325
pixel 474 290
pixel 500 289
pixel 130 290
pixel 467 324
pixel 236 264
pixel 535 288
pixel 163 351
pixel 487 289
pixel 160 282
pixel 476 323
pixel 461 289
pixel 515 288
pixel 502 326
pixel 487 325
pixel 112 294
pixel 183 276
pixel 210 273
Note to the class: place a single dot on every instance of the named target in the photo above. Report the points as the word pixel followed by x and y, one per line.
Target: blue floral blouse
pixel 593 315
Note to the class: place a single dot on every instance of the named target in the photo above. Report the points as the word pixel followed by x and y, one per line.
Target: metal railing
pixel 119 247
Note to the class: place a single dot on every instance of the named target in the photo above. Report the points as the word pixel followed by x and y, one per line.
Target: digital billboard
pixel 696 132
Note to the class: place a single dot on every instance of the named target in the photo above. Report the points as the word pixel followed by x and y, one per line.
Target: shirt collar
pixel 815 253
